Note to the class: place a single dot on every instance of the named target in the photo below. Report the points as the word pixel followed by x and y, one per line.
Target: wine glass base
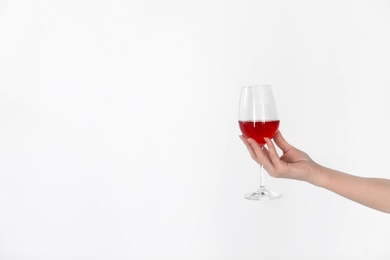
pixel 263 194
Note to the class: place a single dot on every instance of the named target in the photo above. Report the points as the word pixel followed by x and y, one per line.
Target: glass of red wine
pixel 258 118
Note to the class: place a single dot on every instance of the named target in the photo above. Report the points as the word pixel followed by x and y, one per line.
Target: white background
pixel 119 135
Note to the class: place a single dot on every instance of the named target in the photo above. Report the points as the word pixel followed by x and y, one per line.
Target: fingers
pixel 281 142
pixel 249 147
pixel 273 155
pixel 267 157
pixel 261 154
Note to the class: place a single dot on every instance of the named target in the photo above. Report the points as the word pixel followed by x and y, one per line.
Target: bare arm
pixel 371 192
pixel 295 164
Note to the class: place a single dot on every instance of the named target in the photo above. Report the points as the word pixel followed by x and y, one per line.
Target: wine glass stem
pixel 262 185
pixel 261 177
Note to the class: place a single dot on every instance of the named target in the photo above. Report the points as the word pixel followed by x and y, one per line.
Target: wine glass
pixel 258 118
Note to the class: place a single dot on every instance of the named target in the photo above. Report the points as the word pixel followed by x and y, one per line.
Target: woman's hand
pixel 293 164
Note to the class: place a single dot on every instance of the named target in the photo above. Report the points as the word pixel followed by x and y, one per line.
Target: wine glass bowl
pixel 258 130
pixel 258 119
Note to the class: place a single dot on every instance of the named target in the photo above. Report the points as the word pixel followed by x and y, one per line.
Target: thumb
pixel 281 142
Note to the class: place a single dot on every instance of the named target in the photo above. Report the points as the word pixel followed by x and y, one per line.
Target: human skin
pixel 296 164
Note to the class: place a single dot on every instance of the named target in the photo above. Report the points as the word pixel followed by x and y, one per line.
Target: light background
pixel 119 135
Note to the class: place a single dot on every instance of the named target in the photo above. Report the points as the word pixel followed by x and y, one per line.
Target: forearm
pixel 371 192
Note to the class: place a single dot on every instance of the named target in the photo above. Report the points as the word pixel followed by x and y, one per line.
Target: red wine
pixel 258 130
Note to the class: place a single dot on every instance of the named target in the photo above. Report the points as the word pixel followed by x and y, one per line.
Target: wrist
pixel 318 175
